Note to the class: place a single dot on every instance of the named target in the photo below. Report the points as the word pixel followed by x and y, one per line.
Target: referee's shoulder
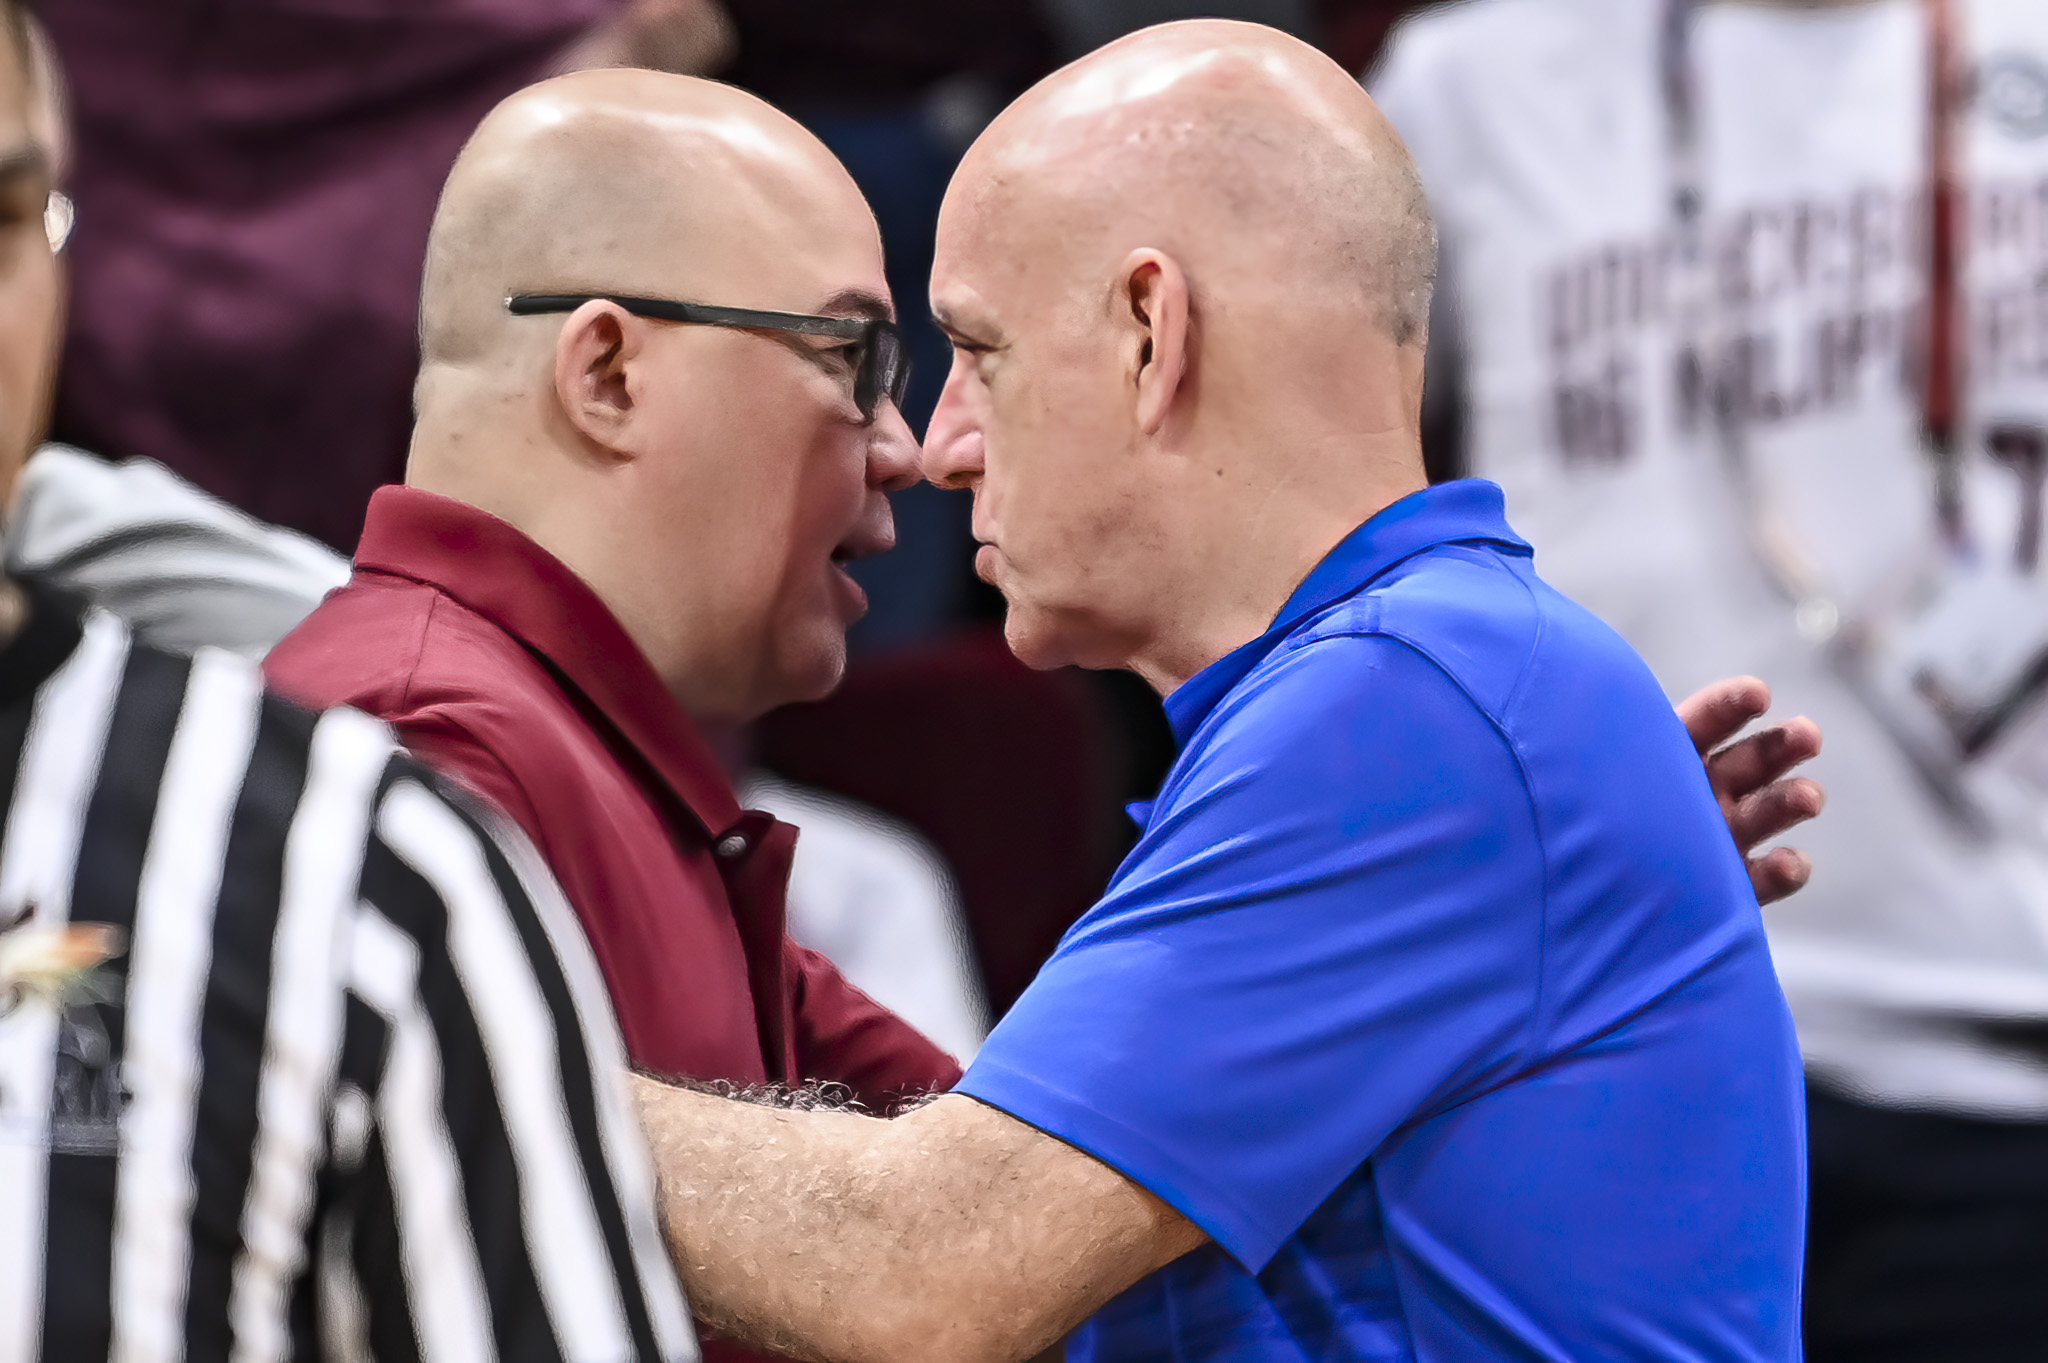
pixel 293 745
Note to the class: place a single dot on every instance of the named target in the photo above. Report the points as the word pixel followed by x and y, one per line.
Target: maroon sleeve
pixel 455 753
pixel 844 1036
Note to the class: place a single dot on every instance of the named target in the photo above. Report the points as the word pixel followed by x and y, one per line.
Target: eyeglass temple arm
pixel 705 314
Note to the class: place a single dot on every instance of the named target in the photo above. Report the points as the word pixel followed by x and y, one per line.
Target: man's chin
pixel 1033 639
pixel 819 672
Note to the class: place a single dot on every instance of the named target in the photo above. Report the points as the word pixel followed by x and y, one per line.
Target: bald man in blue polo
pixel 1431 1017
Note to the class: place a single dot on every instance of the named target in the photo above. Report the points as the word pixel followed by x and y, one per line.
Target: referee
pixel 298 1058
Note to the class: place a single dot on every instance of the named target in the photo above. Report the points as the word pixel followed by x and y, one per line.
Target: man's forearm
pixel 953 1233
pixel 753 1233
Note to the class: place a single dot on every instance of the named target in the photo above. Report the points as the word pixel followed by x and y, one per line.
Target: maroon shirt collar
pixel 490 567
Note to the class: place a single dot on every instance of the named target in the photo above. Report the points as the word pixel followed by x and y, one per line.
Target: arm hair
pixel 953 1232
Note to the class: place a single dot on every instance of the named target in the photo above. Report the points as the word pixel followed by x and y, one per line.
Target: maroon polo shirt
pixel 500 666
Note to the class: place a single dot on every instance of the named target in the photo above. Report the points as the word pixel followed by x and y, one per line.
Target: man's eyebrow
pixel 858 303
pixel 954 327
pixel 23 160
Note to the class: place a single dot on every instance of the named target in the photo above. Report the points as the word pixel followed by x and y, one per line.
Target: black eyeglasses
pixel 881 363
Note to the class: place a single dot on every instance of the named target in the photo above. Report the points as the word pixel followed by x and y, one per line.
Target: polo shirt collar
pixel 496 571
pixel 1470 510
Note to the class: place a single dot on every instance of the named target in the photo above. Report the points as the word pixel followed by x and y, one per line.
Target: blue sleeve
pixel 1331 927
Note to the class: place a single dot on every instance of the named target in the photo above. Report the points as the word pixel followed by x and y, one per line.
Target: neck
pixel 581 511
pixel 1270 551
pixel 479 453
pixel 1297 456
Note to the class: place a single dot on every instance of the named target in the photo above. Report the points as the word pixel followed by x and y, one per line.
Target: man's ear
pixel 1156 290
pixel 593 354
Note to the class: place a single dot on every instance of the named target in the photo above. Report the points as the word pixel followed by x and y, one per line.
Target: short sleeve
pixel 441 741
pixel 1331 928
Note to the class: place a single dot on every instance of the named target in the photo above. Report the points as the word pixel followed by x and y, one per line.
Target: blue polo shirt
pixel 1435 993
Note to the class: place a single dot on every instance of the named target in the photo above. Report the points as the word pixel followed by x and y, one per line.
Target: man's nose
pixel 893 456
pixel 953 440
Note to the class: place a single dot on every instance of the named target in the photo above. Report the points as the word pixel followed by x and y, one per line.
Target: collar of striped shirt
pixel 496 571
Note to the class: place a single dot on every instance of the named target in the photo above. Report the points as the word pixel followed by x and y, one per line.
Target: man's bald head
pixel 1234 147
pixel 1187 279
pixel 707 481
pixel 620 181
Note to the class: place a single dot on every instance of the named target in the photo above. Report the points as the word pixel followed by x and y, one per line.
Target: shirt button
pixel 731 847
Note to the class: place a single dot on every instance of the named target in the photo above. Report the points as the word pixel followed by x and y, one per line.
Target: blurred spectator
pixel 1707 324
pixel 254 182
pixel 883 53
pixel 691 36
pixel 1085 25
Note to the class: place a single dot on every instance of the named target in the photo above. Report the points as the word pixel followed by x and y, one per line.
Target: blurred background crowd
pixel 1745 302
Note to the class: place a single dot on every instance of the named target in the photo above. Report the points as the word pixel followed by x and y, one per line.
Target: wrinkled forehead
pixel 960 250
pixel 1007 246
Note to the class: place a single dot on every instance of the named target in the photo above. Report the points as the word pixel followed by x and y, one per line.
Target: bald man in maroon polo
pixel 502 668
pixel 617 528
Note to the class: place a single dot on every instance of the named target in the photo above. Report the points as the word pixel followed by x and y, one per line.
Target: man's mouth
pixel 864 541
pixel 854 596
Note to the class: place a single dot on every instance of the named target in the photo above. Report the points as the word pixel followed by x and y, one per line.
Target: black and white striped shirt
pixel 352 1090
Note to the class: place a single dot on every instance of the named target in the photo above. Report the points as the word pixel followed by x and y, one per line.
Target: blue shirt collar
pixel 1466 511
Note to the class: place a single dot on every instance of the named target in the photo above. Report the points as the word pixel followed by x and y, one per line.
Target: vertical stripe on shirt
pixel 177 887
pixel 364 1192
pixel 472 1108
pixel 344 1315
pixel 58 767
pixel 233 1021
pixel 322 866
pixel 379 1259
pixel 86 1125
pixel 444 1281
pixel 626 1158
pixel 570 1258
